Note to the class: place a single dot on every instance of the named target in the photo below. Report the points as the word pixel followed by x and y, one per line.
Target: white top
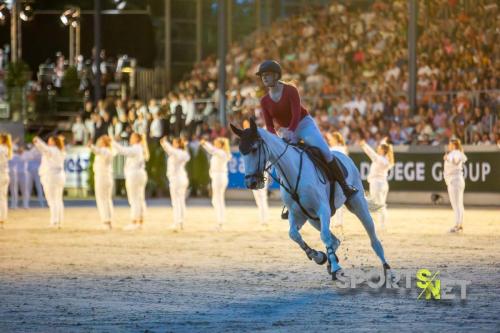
pixel 52 159
pixel 342 149
pixel 134 157
pixel 454 165
pixel 219 159
pixel 103 163
pixel 156 129
pixel 380 165
pixel 79 130
pixel 176 162
pixel 4 161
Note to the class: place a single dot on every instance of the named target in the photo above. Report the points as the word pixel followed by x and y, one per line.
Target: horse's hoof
pixel 334 274
pixel 321 259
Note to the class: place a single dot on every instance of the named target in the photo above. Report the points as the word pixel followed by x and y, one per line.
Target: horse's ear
pixel 253 125
pixel 236 130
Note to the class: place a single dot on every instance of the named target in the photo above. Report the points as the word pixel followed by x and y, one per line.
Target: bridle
pixel 263 151
pixel 263 157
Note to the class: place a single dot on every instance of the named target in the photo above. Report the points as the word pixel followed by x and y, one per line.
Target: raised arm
pixel 369 151
pixel 101 151
pixel 214 151
pixel 169 149
pixel 41 145
pixel 125 151
pixel 456 157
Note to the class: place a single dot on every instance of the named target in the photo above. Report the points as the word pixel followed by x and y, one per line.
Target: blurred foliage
pixel 18 74
pixel 70 83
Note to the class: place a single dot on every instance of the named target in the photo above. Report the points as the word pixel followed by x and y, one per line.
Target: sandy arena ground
pixel 243 279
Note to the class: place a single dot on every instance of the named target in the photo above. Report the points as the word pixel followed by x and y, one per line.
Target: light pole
pixel 71 18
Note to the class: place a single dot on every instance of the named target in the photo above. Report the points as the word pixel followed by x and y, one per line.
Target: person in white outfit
pixel 382 162
pixel 136 155
pixel 260 195
pixel 218 172
pixel 262 204
pixel 24 177
pixel 103 179
pixel 14 179
pixel 177 178
pixel 34 159
pixel 454 161
pixel 52 175
pixel 336 142
pixel 5 156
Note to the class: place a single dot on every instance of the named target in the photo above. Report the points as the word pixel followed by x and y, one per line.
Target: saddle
pixel 318 160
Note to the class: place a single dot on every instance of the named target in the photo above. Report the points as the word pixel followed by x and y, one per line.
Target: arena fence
pixel 417 169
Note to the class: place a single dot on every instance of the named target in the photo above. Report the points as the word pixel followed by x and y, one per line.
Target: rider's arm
pixel 295 108
pixel 268 119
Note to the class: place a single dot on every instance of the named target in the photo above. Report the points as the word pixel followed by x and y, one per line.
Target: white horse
pixel 305 190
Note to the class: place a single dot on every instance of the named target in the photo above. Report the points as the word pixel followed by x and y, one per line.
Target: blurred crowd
pixel 350 66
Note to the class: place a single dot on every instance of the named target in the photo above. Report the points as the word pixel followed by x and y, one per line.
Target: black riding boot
pixel 336 174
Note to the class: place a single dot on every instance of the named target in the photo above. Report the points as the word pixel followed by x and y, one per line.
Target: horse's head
pixel 255 159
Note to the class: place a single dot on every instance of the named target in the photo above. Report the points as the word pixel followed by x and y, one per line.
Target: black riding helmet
pixel 269 66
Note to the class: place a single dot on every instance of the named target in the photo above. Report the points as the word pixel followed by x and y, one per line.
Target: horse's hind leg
pixel 359 207
pixel 295 224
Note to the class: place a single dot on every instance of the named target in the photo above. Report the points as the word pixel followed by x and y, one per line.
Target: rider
pixel 282 105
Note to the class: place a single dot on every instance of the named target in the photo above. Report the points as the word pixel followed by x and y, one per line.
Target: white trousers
pixel 4 189
pixel 178 188
pixel 23 183
pixel 53 187
pixel 456 189
pixel 219 185
pixel 261 201
pixel 378 193
pixel 14 189
pixel 34 179
pixel 103 188
pixel 338 218
pixel 135 183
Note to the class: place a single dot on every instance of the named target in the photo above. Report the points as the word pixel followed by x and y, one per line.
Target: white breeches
pixel 456 189
pixel 135 183
pixel 219 185
pixel 4 189
pixel 53 187
pixel 24 182
pixel 378 193
pixel 261 201
pixel 14 189
pixel 34 179
pixel 338 218
pixel 103 188
pixel 178 188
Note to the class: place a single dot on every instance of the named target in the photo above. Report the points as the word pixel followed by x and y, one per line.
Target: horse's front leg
pixel 296 224
pixel 331 242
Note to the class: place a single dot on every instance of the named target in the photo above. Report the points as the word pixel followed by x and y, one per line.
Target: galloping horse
pixel 305 190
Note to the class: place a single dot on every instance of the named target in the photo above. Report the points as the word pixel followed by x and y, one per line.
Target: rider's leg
pixel 310 133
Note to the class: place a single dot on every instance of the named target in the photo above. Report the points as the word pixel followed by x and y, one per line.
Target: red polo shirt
pixel 287 112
